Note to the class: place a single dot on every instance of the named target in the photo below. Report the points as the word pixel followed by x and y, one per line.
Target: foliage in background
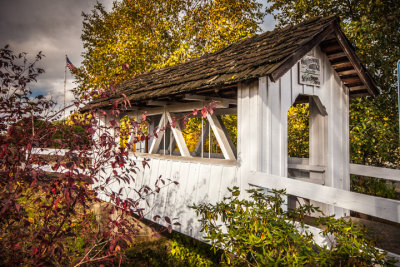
pixel 298 131
pixel 258 232
pixel 138 36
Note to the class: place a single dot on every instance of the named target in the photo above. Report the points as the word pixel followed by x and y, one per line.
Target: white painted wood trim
pixel 222 139
pixel 203 98
pixel 155 145
pixel 378 172
pixel 387 209
pixel 188 107
pixel 306 167
pixel 180 141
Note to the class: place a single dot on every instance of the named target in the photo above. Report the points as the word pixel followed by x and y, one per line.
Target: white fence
pixel 387 209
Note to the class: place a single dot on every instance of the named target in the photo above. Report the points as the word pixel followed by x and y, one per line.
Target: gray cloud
pixel 51 26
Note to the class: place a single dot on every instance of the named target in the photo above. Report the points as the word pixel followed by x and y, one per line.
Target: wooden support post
pixel 318 144
pixel 155 145
pixel 231 144
pixel 180 141
pixel 221 137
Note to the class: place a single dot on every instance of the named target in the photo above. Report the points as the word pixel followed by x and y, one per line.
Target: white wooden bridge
pixel 257 79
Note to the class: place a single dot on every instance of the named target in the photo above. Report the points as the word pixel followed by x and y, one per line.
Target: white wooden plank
pixel 215 183
pixel 221 137
pixel 203 183
pixel 157 200
pixel 202 196
pixel 243 125
pixel 189 217
pixel 180 206
pixel 172 188
pixel 297 88
pixel 229 179
pixel 180 141
pixel 254 117
pixel 377 172
pixel 162 196
pixel 285 105
pixel 387 209
pixel 308 89
pixel 265 121
pixel 145 180
pixel 155 144
pixel 274 102
pixel 345 138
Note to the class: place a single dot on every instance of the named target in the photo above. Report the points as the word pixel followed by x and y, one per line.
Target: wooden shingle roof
pixel 268 54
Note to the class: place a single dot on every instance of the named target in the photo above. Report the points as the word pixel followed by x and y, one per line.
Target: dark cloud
pixel 51 26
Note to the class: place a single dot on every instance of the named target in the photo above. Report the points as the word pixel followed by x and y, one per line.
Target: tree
pixel 138 36
pixel 374 29
pixel 46 216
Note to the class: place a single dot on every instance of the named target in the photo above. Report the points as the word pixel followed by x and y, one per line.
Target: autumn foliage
pixel 46 202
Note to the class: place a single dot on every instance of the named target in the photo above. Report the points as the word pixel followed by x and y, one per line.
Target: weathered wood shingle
pixel 267 54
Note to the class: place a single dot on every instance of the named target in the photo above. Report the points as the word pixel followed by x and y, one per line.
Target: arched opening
pixel 306 139
pixel 307 142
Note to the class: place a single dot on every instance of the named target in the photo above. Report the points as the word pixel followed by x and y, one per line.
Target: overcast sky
pixel 54 27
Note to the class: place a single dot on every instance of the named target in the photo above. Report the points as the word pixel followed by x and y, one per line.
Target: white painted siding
pixel 198 182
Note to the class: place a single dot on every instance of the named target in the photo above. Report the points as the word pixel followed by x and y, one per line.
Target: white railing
pixel 377 172
pixel 52 152
pixel 49 151
pixel 387 209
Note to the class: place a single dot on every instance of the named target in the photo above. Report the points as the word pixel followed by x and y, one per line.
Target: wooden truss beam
pixel 221 137
pixel 155 145
pixel 180 141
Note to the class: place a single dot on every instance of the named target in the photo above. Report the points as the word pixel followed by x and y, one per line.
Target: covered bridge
pixel 258 79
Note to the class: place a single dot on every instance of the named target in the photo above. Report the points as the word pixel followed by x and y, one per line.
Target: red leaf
pixel 167 219
pixel 144 116
pixel 204 112
pixel 195 112
pixel 169 228
pixel 90 131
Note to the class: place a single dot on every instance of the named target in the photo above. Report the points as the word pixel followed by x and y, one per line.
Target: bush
pixel 259 232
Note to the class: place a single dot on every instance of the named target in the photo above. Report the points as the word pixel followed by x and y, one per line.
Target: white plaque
pixel 310 71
